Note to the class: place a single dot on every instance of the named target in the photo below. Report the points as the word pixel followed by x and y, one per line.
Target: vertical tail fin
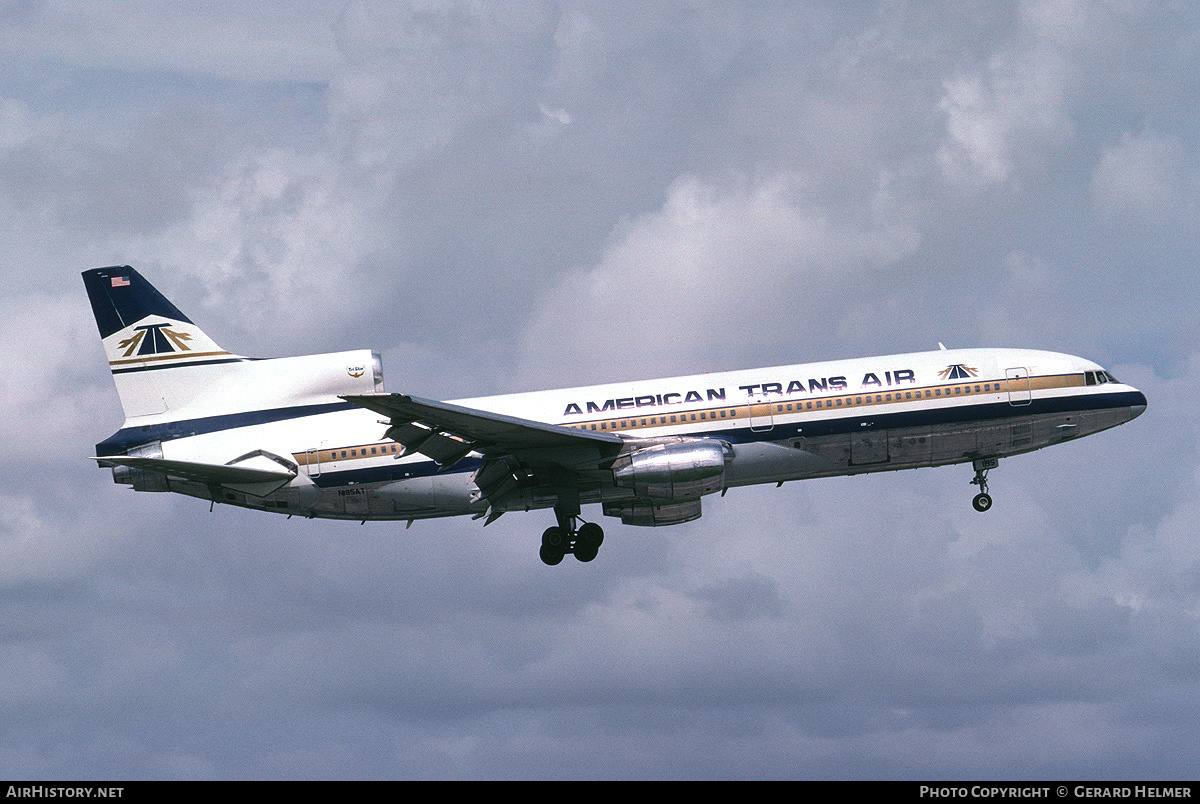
pixel 144 333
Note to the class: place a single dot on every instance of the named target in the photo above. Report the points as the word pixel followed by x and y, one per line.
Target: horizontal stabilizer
pixel 258 473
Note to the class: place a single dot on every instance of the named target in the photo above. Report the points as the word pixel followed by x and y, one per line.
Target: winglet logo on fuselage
pixel 155 339
pixel 958 372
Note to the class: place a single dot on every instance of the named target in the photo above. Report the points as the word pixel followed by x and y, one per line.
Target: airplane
pixel 317 436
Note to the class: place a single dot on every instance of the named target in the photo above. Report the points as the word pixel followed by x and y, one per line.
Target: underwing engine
pixel 683 470
pixel 651 514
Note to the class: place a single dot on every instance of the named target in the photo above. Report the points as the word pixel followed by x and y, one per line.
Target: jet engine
pixel 651 514
pixel 683 470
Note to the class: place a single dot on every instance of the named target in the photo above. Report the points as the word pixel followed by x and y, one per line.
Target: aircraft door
pixel 312 462
pixel 759 410
pixel 1018 386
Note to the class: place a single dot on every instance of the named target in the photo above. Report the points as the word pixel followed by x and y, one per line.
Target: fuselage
pixel 776 424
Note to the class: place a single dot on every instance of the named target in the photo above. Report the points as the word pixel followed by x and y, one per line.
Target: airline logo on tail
pixel 155 339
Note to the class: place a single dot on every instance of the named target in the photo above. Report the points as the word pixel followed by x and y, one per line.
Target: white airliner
pixel 317 436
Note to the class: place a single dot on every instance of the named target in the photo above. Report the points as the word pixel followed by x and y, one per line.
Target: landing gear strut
pixel 983 500
pixel 565 537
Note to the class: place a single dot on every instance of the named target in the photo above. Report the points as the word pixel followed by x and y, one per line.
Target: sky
pixel 503 197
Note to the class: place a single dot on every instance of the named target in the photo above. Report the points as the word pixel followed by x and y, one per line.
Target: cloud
pixel 1145 177
pixel 993 115
pixel 717 258
pixel 420 75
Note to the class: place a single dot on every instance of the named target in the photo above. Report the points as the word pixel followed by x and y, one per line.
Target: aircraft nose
pixel 1138 407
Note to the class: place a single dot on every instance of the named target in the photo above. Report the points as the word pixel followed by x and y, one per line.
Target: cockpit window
pixel 1098 377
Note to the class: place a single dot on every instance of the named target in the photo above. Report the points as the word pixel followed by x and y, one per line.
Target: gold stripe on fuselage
pixel 762 409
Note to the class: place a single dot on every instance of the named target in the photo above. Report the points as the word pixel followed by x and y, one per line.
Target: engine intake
pixel 686 470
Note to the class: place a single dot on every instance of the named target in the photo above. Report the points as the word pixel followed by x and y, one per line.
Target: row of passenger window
pixel 656 421
pixel 794 407
pixel 848 401
pixel 357 452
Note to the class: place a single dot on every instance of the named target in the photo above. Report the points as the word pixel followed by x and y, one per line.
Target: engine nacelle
pixel 685 470
pixel 649 514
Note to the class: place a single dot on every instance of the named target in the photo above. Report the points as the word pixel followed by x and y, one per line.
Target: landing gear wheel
pixel 983 500
pixel 591 534
pixel 564 538
pixel 553 538
pixel 587 541
pixel 553 546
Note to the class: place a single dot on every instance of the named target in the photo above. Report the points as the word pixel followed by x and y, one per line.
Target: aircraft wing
pixel 422 425
pixel 518 453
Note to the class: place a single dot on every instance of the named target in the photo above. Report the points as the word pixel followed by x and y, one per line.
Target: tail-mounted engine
pixel 682 470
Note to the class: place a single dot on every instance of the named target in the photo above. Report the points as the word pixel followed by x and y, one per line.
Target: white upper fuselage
pixel 783 423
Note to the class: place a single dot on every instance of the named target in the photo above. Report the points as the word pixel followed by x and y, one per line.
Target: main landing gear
pixel 983 500
pixel 584 541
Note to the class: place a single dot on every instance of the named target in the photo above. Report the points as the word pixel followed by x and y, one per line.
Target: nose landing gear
pixel 983 500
